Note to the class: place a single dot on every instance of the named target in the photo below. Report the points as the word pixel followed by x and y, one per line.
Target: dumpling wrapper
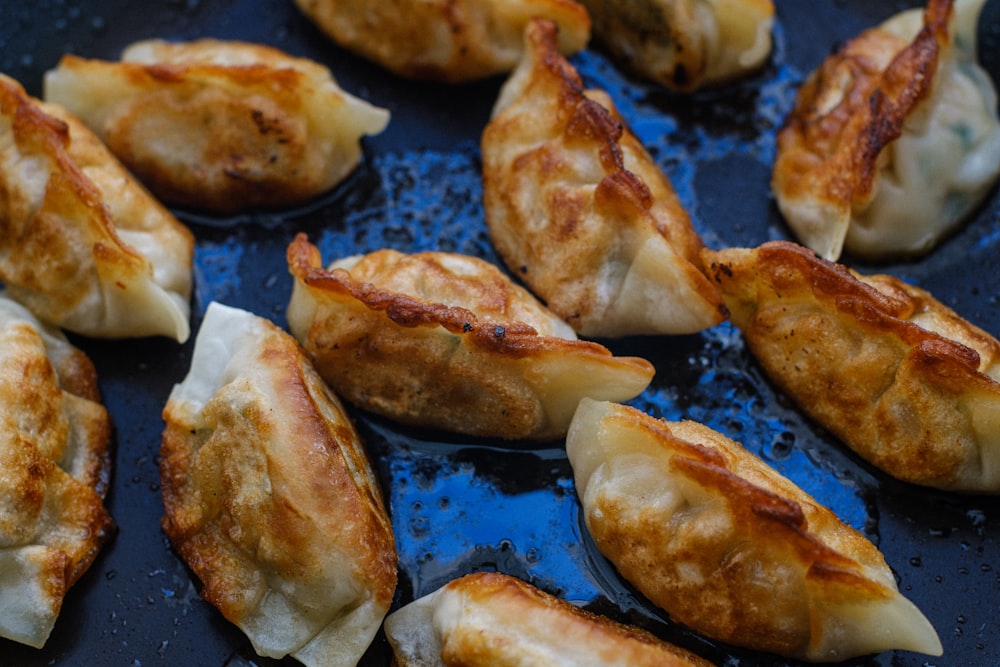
pixel 685 44
pixel 489 619
pixel 82 244
pixel 54 471
pixel 453 41
pixel 270 499
pixel 903 380
pixel 894 141
pixel 730 548
pixel 579 211
pixel 447 341
pixel 219 125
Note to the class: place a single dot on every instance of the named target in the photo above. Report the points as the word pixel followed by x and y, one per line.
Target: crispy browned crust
pixel 322 497
pixel 770 560
pixel 569 192
pixel 54 465
pixel 518 612
pixel 892 372
pixel 59 251
pixel 38 239
pixel 428 364
pixel 850 109
pixel 444 40
pixel 667 42
pixel 220 136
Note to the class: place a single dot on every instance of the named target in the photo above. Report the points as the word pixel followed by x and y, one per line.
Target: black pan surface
pixel 460 505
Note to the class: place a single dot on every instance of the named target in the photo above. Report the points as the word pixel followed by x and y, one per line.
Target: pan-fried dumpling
pixel 488 619
pixel 894 140
pixel 54 469
pixel 685 44
pixel 270 499
pixel 447 341
pixel 82 244
pixel 444 40
pixel 579 211
pixel 900 378
pixel 730 548
pixel 219 125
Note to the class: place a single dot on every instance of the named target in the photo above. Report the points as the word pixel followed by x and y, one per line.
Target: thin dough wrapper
pixel 685 44
pixel 219 125
pixel 54 469
pixel 444 40
pixel 447 341
pixel 894 140
pixel 729 547
pixel 580 212
pixel 492 620
pixel 82 244
pixel 900 378
pixel 270 498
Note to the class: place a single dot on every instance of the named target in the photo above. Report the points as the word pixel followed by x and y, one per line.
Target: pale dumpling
pixel 82 244
pixel 488 619
pixel 447 341
pixel 581 213
pixel 54 471
pixel 444 40
pixel 730 548
pixel 685 44
pixel 903 380
pixel 219 125
pixel 894 141
pixel 270 498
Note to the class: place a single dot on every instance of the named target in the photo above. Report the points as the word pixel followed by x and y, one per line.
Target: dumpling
pixel 82 244
pixel 444 40
pixel 447 341
pixel 900 378
pixel 730 548
pixel 219 125
pixel 488 619
pixel 894 140
pixel 270 499
pixel 54 471
pixel 579 211
pixel 685 44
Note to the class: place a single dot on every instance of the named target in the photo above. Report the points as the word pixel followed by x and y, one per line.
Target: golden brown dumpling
pixel 685 44
pixel 270 499
pixel 729 547
pixel 82 244
pixel 444 40
pixel 894 140
pixel 579 211
pixel 449 342
pixel 54 469
pixel 219 125
pixel 489 619
pixel 904 381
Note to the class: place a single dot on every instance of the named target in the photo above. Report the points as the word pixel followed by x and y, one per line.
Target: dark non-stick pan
pixel 460 505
